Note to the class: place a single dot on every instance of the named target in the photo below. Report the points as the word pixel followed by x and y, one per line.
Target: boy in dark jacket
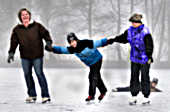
pixel 86 51
pixel 140 40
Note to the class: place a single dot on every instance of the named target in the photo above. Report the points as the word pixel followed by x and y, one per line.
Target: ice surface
pixel 69 88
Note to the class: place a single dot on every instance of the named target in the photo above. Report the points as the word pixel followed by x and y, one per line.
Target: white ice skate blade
pixel 132 103
pixel 90 102
pixel 28 102
pixel 146 103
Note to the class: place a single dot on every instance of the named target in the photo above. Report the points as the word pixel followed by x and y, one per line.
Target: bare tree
pixel 168 8
pixel 131 6
pixel 152 15
pixel 147 12
pixel 157 16
pixel 162 35
pixel 118 29
pixel 90 17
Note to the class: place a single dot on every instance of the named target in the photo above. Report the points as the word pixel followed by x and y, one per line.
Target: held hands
pixel 10 57
pixel 110 41
pixel 48 46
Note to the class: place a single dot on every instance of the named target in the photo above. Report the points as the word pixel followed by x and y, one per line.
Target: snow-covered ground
pixel 69 88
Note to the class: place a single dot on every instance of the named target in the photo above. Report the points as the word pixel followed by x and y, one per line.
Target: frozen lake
pixel 69 88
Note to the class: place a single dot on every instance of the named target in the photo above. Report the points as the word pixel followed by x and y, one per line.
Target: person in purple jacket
pixel 87 52
pixel 140 40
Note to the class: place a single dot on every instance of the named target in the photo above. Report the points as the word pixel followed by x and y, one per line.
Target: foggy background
pixel 89 19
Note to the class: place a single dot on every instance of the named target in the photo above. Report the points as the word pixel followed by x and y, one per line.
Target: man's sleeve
pixel 13 42
pixel 61 50
pixel 122 38
pixel 44 33
pixel 149 46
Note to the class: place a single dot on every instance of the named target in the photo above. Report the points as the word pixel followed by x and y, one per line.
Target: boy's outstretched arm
pixel 99 43
pixel 60 50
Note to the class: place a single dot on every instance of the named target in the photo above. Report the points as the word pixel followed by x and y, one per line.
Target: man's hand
pixel 149 61
pixel 10 57
pixel 48 46
pixel 110 41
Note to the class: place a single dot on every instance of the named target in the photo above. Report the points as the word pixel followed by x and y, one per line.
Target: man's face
pixel 136 24
pixel 25 17
pixel 73 43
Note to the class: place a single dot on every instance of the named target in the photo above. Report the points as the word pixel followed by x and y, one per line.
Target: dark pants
pixel 38 67
pixel 145 79
pixel 123 89
pixel 95 79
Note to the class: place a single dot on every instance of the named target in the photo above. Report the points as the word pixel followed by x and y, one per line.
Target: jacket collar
pixel 31 22
pixel 138 28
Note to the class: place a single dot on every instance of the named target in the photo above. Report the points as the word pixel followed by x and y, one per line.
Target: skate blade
pixel 90 102
pixel 30 102
pixel 47 101
pixel 132 103
pixel 146 103
pixel 100 101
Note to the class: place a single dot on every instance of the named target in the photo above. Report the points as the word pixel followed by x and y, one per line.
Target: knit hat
pixel 155 80
pixel 71 36
pixel 136 18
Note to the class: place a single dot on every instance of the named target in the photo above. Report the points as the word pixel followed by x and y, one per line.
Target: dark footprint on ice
pixel 62 107
pixel 3 103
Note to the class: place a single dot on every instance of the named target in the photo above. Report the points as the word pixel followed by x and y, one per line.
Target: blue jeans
pixel 27 65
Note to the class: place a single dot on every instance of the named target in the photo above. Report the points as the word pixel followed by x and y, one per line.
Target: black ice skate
pixel 89 98
pixel 46 99
pixel 101 96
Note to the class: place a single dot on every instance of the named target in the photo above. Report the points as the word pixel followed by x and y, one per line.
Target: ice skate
pixel 133 100
pixel 146 101
pixel 101 96
pixel 90 98
pixel 31 100
pixel 46 99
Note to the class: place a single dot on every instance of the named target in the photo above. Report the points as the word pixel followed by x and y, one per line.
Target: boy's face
pixel 73 43
pixel 136 24
pixel 153 84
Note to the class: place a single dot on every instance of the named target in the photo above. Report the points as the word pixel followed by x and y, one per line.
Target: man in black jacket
pixel 29 36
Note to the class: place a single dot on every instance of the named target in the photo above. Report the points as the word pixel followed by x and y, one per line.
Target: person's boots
pixel 31 99
pixel 146 101
pixel 89 98
pixel 101 96
pixel 133 100
pixel 46 99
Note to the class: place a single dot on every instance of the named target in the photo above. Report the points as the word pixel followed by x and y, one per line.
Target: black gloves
pixel 48 46
pixel 149 55
pixel 10 57
pixel 110 41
